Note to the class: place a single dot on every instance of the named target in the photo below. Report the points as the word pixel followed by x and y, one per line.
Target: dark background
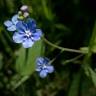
pixel 67 23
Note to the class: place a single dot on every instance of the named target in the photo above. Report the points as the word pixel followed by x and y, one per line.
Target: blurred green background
pixel 67 23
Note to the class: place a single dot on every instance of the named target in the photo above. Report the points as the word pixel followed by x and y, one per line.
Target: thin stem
pixel 55 57
pixel 73 59
pixel 61 48
pixel 20 82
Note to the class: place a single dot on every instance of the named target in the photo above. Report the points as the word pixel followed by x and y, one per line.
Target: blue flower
pixel 43 66
pixel 27 33
pixel 11 24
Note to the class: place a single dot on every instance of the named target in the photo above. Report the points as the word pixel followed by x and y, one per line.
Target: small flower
pixel 27 33
pixel 11 24
pixel 43 66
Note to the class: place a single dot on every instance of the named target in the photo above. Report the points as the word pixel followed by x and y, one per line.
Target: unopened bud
pixel 24 8
pixel 26 14
pixel 19 13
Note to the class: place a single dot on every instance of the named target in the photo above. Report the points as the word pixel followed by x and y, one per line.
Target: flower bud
pixel 24 8
pixel 26 14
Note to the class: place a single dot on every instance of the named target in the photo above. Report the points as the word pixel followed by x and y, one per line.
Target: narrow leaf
pixel 93 76
pixel 74 88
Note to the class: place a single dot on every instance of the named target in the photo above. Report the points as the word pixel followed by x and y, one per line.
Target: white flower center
pixel 28 33
pixel 44 66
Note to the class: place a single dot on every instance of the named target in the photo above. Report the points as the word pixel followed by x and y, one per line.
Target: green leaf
pixel 62 27
pixel 47 11
pixel 93 76
pixel 74 88
pixel 93 40
pixel 20 62
pixel 85 86
pixel 33 53
pixel 25 64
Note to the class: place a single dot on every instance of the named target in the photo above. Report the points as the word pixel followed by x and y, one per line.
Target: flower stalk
pixel 62 48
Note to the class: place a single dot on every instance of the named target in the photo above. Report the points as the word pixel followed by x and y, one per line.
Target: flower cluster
pixel 27 33
pixel 43 66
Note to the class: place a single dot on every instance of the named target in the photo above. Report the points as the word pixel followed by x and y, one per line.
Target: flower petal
pixel 12 28
pixel 8 23
pixel 38 68
pixel 31 23
pixel 37 35
pixel 27 43
pixel 18 38
pixel 43 73
pixel 15 19
pixel 21 26
pixel 50 69
pixel 46 61
pixel 39 61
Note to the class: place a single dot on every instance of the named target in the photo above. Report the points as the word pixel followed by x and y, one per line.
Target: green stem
pixel 20 82
pixel 55 57
pixel 73 59
pixel 62 48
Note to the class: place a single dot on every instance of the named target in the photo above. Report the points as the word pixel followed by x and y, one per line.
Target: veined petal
pixel 21 26
pixel 37 35
pixel 50 69
pixel 38 68
pixel 46 61
pixel 31 23
pixel 18 38
pixel 43 73
pixel 27 43
pixel 39 61
pixel 39 31
pixel 8 23
pixel 15 19
pixel 12 28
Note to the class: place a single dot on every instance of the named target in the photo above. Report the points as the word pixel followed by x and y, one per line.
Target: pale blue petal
pixel 39 31
pixel 46 61
pixel 18 38
pixel 21 26
pixel 8 23
pixel 12 28
pixel 15 19
pixel 43 73
pixel 37 35
pixel 27 43
pixel 38 68
pixel 40 61
pixel 31 24
pixel 50 69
